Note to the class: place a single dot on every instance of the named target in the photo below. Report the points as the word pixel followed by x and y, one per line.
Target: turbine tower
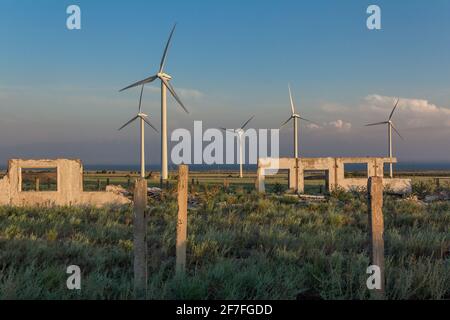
pixel 294 117
pixel 240 133
pixel 165 84
pixel 143 121
pixel 390 126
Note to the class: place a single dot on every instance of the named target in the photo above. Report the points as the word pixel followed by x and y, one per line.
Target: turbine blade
pixel 246 123
pixel 163 59
pixel 174 94
pixel 128 123
pixel 304 119
pixel 395 106
pixel 146 80
pixel 140 98
pixel 292 100
pixel 376 124
pixel 225 129
pixel 284 123
pixel 396 131
pixel 148 122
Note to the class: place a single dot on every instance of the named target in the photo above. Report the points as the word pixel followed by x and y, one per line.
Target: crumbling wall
pixel 334 168
pixel 69 186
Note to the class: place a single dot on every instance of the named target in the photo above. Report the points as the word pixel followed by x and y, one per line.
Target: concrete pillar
pixel 376 227
pixel 183 172
pixel 37 184
pixel 140 239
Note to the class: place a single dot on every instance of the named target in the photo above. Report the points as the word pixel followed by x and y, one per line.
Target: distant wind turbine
pixel 165 78
pixel 390 127
pixel 144 120
pixel 240 133
pixel 294 116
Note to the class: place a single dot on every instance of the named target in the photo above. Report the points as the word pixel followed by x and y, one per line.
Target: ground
pixel 241 245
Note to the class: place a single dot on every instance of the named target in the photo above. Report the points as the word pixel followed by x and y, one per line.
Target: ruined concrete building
pixel 333 170
pixel 66 190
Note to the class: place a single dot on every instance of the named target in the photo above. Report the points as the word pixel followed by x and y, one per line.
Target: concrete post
pixel 183 172
pixel 140 239
pixel 37 183
pixel 376 227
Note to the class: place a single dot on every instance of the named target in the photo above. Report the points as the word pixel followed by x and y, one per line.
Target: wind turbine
pixel 143 117
pixel 165 84
pixel 294 117
pixel 240 133
pixel 390 127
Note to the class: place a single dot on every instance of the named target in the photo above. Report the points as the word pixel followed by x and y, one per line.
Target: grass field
pixel 241 245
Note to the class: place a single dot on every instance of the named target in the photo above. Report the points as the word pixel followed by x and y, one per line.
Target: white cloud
pixel 337 125
pixel 414 112
pixel 312 126
pixel 340 125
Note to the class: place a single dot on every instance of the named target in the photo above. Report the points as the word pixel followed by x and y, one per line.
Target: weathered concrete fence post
pixel 376 228
pixel 183 171
pixel 140 238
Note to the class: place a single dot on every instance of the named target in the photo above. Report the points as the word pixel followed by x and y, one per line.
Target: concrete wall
pixel 69 186
pixel 335 175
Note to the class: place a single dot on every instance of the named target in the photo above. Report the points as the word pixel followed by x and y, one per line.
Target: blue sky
pixel 229 59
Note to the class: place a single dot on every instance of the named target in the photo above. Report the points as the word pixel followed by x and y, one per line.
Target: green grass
pixel 241 245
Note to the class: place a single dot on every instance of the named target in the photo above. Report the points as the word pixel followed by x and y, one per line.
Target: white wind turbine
pixel 240 133
pixel 165 78
pixel 294 116
pixel 143 117
pixel 390 127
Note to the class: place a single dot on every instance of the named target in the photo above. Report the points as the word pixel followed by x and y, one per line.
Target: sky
pixel 229 60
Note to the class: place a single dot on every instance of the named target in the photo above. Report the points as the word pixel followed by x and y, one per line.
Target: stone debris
pixel 154 192
pixel 440 196
pixel 118 189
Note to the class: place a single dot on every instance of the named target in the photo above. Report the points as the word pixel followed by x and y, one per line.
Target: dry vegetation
pixel 241 246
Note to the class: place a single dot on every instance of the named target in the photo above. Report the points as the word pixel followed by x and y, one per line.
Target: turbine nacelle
pixel 163 75
pixel 294 115
pixel 239 131
pixel 389 122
